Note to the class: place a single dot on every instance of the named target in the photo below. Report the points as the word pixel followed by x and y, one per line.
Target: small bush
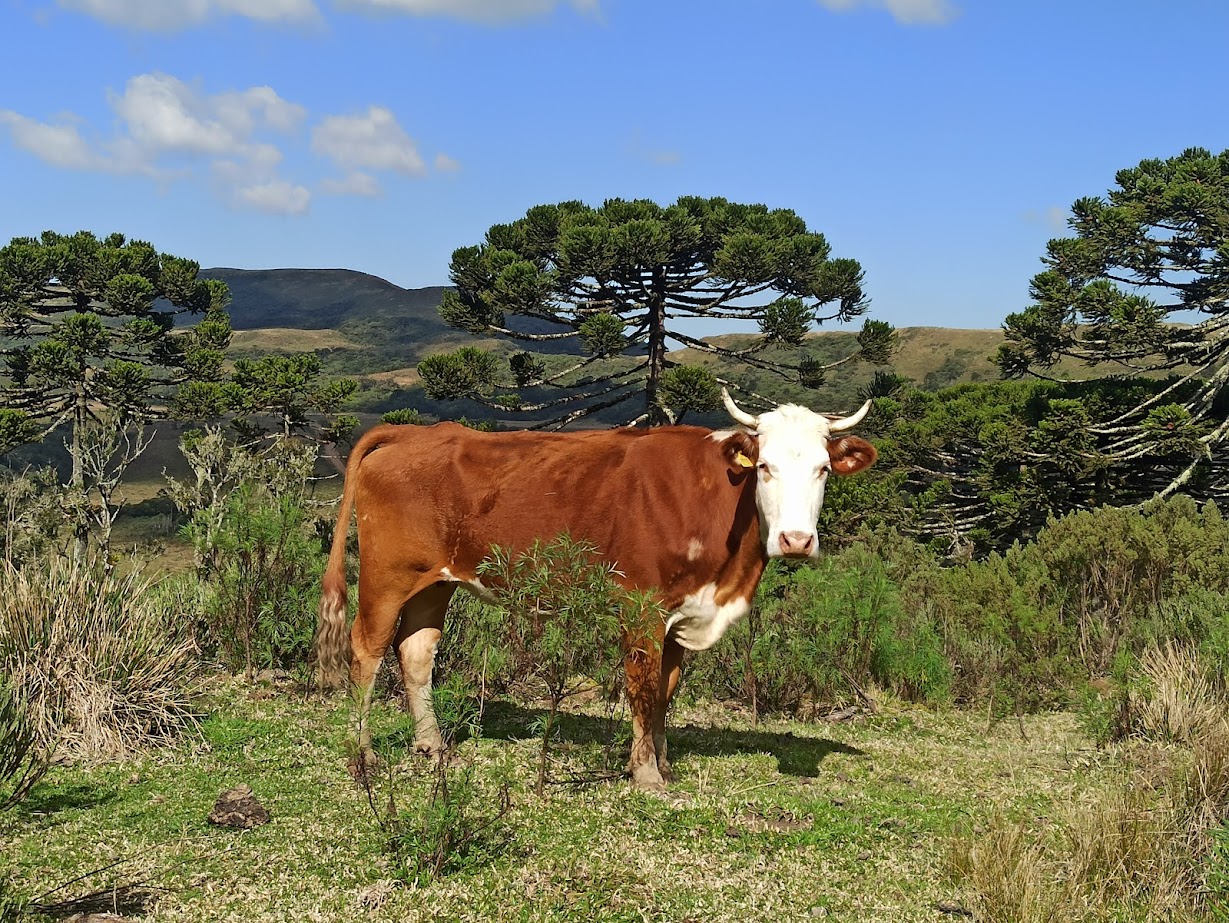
pixel 457 826
pixel 102 665
pixel 265 582
pixel 31 513
pixel 821 635
pixel 567 619
pixel 22 761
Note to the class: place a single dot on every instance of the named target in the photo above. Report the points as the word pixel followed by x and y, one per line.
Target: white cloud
pixel 277 196
pixel 445 164
pixel 372 141
pixel 167 129
pixel 906 12
pixel 163 113
pixel 168 15
pixel 485 11
pixel 361 184
pixel 60 145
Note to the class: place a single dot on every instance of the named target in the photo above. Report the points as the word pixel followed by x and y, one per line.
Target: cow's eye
pixel 762 467
pixel 823 470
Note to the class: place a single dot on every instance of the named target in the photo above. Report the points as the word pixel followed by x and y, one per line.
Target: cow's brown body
pixel 673 509
pixel 663 506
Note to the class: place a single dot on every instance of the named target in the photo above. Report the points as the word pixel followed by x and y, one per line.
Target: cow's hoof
pixel 647 778
pixel 429 748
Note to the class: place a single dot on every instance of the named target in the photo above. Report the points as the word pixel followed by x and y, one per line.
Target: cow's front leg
pixel 643 668
pixel 671 668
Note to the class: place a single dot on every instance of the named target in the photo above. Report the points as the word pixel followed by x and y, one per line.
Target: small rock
pixel 864 855
pixel 844 714
pixel 238 808
pixel 892 823
pixel 953 908
pixel 819 912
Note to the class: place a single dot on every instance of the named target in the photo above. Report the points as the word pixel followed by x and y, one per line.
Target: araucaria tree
pixel 1142 290
pixel 88 337
pixel 596 297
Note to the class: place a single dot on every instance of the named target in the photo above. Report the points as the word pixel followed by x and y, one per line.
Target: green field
pixel 780 821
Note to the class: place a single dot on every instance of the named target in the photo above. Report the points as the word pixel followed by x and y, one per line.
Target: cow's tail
pixel 331 645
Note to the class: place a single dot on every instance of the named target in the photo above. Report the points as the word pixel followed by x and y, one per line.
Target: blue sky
pixel 939 142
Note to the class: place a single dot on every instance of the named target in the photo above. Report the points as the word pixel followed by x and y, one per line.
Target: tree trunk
pixel 81 528
pixel 657 348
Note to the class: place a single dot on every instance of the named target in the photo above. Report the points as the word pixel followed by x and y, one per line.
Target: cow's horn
pixel 738 414
pixel 843 423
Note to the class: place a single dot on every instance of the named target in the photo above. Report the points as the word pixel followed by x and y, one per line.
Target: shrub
pixel 103 666
pixel 821 634
pixel 566 619
pixel 265 582
pixel 32 511
pixel 22 761
pixel 455 827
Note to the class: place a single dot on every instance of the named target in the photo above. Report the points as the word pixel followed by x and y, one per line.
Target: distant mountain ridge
pixel 318 299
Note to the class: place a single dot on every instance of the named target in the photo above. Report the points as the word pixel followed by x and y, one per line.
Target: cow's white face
pixel 796 453
pixel 790 476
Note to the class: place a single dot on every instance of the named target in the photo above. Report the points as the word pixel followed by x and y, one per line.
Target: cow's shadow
pixel 796 756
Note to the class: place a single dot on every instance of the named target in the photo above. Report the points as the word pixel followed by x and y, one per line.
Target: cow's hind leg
pixel 422 623
pixel 671 668
pixel 379 613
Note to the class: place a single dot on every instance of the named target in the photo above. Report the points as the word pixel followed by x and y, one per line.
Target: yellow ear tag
pixel 744 460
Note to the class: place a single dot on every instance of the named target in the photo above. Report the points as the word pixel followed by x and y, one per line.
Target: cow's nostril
pixel 796 543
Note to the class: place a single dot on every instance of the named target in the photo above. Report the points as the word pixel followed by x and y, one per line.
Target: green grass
pixel 763 823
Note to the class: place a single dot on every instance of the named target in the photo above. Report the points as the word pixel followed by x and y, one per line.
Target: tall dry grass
pixel 1144 850
pixel 103 662
pixel 1178 699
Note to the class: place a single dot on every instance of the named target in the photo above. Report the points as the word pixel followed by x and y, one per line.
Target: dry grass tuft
pixel 1202 797
pixel 1179 702
pixel 1007 872
pixel 1137 852
pixel 104 667
pixel 1120 852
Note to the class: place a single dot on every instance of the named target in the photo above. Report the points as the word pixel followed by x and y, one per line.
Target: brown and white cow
pixel 691 514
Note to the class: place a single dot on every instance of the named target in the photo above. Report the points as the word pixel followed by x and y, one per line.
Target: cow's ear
pixel 851 454
pixel 741 452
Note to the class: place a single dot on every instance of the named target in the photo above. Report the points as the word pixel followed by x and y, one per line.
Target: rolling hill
pixel 364 326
